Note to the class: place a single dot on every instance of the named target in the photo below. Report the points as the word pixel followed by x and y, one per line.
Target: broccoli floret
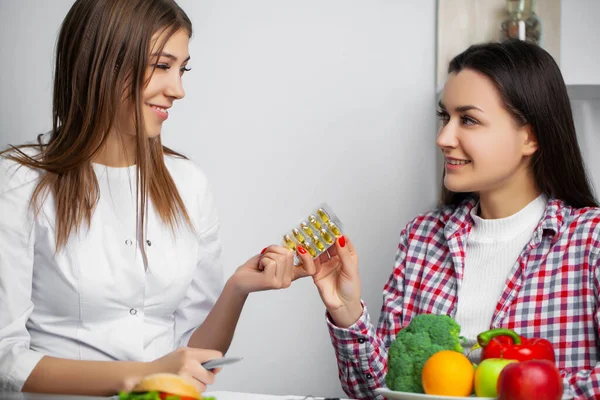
pixel 424 336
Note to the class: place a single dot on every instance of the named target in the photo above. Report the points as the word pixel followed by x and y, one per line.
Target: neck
pixel 118 151
pixel 509 199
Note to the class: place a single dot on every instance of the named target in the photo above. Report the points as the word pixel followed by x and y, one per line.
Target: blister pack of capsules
pixel 316 233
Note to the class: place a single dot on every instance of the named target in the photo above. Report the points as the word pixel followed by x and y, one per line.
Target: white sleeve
pixel 16 270
pixel 207 283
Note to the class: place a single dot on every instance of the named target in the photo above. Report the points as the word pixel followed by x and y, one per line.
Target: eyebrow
pixel 170 56
pixel 460 108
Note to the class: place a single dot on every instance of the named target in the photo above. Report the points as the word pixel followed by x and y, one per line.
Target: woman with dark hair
pixel 515 243
pixel 109 249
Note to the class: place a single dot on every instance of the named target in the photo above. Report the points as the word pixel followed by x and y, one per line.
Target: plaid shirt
pixel 552 291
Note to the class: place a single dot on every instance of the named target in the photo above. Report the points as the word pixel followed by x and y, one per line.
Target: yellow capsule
pixel 326 236
pixel 304 226
pixel 299 237
pixel 314 222
pixel 289 243
pixel 324 216
pixel 310 249
pixel 336 231
pixel 318 243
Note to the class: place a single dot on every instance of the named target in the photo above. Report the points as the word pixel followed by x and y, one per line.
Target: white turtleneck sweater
pixel 492 250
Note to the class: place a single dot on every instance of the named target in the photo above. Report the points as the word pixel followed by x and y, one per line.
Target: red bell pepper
pixel 505 343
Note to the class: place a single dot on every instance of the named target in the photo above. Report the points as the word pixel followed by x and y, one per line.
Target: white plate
pixel 392 395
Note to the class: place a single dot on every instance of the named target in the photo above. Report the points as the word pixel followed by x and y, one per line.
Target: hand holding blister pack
pixel 316 233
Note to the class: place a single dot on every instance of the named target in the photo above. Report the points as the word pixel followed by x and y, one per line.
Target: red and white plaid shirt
pixel 553 291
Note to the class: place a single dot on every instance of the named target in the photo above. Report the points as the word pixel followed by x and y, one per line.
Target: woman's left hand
pixel 273 268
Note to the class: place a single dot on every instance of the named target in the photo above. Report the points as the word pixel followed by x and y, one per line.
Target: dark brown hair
pixel 102 58
pixel 534 92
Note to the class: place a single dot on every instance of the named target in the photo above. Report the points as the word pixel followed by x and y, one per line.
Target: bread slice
pixel 168 383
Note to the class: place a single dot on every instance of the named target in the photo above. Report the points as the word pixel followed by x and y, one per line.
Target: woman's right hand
pixel 337 280
pixel 186 361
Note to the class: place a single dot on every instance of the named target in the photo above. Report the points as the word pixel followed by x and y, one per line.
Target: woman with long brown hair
pixel 109 248
pixel 515 243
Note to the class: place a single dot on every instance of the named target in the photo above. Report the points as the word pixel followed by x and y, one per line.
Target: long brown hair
pixel 102 56
pixel 534 92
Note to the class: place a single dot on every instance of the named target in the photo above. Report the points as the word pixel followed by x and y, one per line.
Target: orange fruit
pixel 448 373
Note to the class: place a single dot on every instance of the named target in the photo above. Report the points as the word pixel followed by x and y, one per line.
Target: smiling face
pixel 163 85
pixel 484 149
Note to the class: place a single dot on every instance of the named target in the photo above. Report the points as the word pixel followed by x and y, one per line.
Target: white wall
pixel 289 104
pixel 580 66
pixel 586 113
pixel 580 46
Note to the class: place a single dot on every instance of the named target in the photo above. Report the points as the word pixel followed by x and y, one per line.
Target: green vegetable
pixel 425 335
pixel 151 396
pixel 139 396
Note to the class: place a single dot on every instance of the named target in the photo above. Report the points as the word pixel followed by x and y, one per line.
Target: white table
pixel 220 395
pixel 254 396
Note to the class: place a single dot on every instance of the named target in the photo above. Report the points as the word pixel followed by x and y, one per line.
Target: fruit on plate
pixel 425 335
pixel 506 343
pixel 487 374
pixel 535 379
pixel 448 373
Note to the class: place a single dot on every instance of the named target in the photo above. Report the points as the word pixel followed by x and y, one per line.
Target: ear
pixel 530 143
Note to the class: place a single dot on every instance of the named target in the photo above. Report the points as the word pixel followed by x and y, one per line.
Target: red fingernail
pixel 342 241
pixel 263 251
pixel 301 250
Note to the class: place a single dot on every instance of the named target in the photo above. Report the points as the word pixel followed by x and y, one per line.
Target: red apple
pixel 535 379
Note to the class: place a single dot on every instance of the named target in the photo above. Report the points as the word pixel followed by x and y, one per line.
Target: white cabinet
pixel 580 42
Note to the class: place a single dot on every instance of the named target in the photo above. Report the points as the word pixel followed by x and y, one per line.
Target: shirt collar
pixel 459 220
